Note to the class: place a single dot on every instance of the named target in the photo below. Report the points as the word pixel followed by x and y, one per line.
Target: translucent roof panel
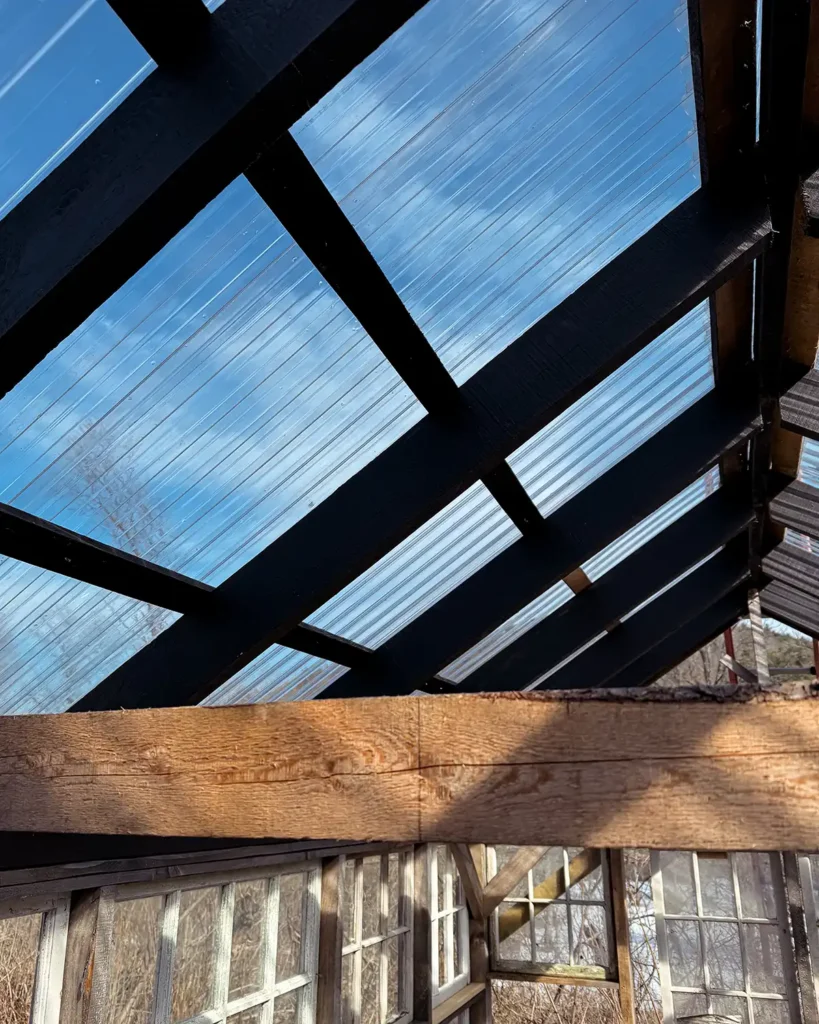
pixel 64 66
pixel 649 527
pixel 60 637
pixel 619 414
pixel 495 155
pixel 421 570
pixel 809 462
pixel 279 673
pixel 534 612
pixel 206 406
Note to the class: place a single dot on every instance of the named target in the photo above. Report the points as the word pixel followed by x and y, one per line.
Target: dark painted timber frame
pixel 227 88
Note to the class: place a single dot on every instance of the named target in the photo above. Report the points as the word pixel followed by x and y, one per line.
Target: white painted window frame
pixel 807 872
pixel 449 917
pixel 221 1007
pixel 781 921
pixel 403 932
pixel 607 971
pixel 51 946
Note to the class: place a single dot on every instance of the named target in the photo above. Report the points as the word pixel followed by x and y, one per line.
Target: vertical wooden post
pixel 422 951
pixel 480 1012
pixel 621 934
pixel 328 994
pixel 758 637
pixel 78 975
pixel 801 946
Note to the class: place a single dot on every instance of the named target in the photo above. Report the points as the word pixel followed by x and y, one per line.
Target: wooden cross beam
pixel 525 769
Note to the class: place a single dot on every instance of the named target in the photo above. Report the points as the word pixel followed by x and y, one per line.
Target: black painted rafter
pixel 173 32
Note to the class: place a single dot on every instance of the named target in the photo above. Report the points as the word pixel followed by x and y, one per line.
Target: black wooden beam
pixel 620 310
pixel 632 639
pixel 312 640
pixel 683 642
pixel 796 505
pixel 658 563
pixel 172 31
pixel 792 606
pixel 799 406
pixel 603 511
pixel 514 499
pixel 293 190
pixel 794 567
pixel 164 153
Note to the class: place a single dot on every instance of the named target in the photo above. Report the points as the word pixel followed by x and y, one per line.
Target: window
pixel 722 936
pixel 32 940
pixel 376 965
pixel 450 925
pixel 240 950
pixel 809 870
pixel 546 927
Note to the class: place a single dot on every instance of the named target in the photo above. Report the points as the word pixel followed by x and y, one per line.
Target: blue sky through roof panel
pixel 622 411
pixel 64 65
pixel 277 674
pixel 430 563
pixel 495 155
pixel 60 637
pixel 208 405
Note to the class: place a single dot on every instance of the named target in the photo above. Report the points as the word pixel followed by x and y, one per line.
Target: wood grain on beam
pixel 450 769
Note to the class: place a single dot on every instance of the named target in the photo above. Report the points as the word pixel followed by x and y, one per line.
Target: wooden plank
pixel 758 638
pixel 468 870
pixel 797 505
pixel 422 951
pixel 514 499
pixel 480 1012
pixel 501 884
pixel 165 152
pixel 78 975
pixel 599 514
pixel 799 406
pixel 534 976
pixel 704 776
pixel 807 1004
pixel 457 1002
pixel 602 662
pixel 328 993
pixel 551 888
pixel 636 296
pixel 792 565
pixel 622 932
pixel 577 581
pixel 793 606
pixel 644 573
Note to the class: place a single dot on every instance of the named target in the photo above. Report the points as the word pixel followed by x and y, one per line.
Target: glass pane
pixel 755 885
pixel 372 897
pixel 210 403
pixel 286 1007
pixel 133 960
pixel 457 950
pixel 253 1015
pixel 716 886
pixel 19 941
pixel 684 953
pixel 679 894
pixel 494 157
pixel 64 66
pixel 731 1006
pixel 513 928
pixel 686 1004
pixel 370 970
pixel 503 855
pixel 419 571
pixel 770 1011
pixel 444 924
pixel 548 871
pixel 552 935
pixel 764 953
pixel 292 895
pixel 441 867
pixel 394 986
pixel 590 887
pixel 195 946
pixel 723 954
pixel 248 936
pixel 348 902
pixel 589 935
pixel 394 892
pixel 347 990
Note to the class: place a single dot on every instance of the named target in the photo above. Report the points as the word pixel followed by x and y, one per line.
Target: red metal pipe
pixel 729 650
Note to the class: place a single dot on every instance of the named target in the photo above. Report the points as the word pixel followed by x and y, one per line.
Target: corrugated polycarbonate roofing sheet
pixel 277 674
pixel 60 637
pixel 619 414
pixel 64 66
pixel 495 155
pixel 421 570
pixel 208 405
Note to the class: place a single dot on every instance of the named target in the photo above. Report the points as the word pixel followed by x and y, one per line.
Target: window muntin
pixel 449 919
pixel 376 955
pixel 722 936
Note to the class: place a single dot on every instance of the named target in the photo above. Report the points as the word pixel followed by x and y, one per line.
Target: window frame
pixel 52 941
pixel 454 915
pixel 220 1008
pixel 668 990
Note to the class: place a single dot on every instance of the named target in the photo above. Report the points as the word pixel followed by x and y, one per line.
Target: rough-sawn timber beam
pixel 455 769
